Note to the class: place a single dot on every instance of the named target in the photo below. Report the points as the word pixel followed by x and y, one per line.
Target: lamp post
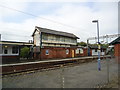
pixel 99 65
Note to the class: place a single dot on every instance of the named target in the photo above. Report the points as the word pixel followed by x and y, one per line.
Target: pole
pixel 87 47
pixel 0 37
pixel 107 62
pixel 99 64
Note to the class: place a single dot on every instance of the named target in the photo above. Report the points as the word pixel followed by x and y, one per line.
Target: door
pixel 73 54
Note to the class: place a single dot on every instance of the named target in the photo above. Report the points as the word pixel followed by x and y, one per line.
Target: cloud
pixel 6 7
pixel 78 17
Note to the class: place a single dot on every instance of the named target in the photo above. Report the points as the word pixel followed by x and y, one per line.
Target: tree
pixel 24 52
pixel 82 43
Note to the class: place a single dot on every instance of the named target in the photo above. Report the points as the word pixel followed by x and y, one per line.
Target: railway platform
pixel 36 65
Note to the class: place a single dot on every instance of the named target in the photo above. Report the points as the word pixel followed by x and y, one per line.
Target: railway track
pixel 31 67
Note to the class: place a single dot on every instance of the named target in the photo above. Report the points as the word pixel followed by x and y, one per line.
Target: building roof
pixel 49 31
pixel 116 41
pixel 15 43
pixel 96 47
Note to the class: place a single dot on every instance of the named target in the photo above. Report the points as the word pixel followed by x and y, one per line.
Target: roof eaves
pixel 115 41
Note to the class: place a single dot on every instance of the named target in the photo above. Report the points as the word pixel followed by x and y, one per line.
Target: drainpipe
pixel 40 44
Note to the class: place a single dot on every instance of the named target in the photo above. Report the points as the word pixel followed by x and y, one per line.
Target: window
pixel 81 50
pixel 77 51
pixel 15 50
pixel 73 40
pixel 67 40
pixel 47 52
pixel 102 50
pixel 62 39
pixel 57 38
pixel 6 50
pixel 51 37
pixel 67 51
pixel 45 37
pixel 95 50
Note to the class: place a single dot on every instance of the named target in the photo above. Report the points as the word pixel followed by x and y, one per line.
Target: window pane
pixel 45 37
pixel 67 51
pixel 5 51
pixel 15 50
pixel 47 52
pixel 57 38
pixel 81 50
pixel 77 51
pixel 73 41
pixel 62 39
pixel 95 50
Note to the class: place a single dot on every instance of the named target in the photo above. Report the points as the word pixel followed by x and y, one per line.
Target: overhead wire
pixel 42 18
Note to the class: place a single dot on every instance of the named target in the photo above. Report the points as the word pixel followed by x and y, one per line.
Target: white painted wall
pixel 9 48
pixel 96 53
pixel 37 39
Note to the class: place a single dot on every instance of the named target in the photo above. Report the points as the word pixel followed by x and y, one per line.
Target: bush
pixel 82 43
pixel 24 52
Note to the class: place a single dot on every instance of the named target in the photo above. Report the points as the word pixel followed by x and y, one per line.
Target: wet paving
pixel 83 75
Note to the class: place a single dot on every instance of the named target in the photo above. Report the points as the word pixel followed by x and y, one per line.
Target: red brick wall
pixel 7 59
pixel 117 50
pixel 59 52
pixel 85 52
pixel 55 52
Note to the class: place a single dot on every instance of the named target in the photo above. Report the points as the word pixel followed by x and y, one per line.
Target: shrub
pixel 24 52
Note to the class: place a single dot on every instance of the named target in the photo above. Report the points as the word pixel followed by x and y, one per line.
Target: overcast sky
pixel 74 17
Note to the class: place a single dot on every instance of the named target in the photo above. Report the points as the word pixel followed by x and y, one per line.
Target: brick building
pixel 116 44
pixel 51 44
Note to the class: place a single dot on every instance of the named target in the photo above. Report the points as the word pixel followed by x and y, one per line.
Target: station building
pixel 10 50
pixel 52 44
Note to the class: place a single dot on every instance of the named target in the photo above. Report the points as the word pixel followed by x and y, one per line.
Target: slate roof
pixel 116 41
pixel 49 31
